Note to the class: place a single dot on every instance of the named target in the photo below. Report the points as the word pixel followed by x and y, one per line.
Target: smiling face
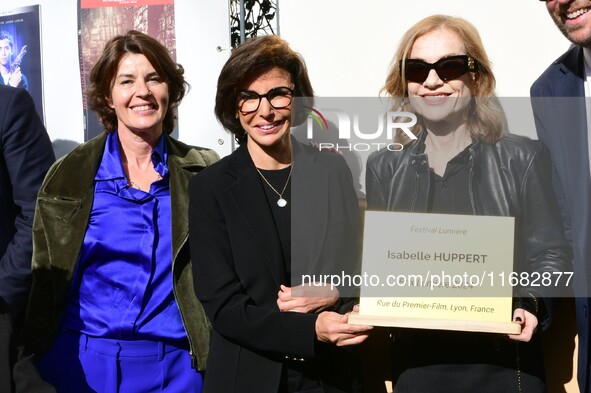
pixel 267 128
pixel 5 52
pixel 573 19
pixel 434 99
pixel 139 96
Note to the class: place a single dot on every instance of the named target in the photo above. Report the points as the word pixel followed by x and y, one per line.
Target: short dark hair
pixel 105 69
pixel 248 61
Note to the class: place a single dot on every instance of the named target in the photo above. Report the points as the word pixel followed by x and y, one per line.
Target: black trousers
pixel 299 377
pixel 7 354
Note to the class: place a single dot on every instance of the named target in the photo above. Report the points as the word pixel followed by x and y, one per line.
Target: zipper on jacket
pixel 194 362
pixel 416 196
pixel 418 183
pixel 471 186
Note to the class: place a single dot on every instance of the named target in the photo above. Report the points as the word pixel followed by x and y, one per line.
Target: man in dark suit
pixel 25 156
pixel 562 122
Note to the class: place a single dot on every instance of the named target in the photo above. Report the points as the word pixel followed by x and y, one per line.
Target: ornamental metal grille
pixel 260 17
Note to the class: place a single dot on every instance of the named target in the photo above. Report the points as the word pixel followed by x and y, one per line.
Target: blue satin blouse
pixel 122 288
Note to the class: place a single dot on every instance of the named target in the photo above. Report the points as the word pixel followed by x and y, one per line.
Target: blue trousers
pixel 78 363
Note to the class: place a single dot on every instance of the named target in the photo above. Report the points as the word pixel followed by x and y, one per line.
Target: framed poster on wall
pixel 20 51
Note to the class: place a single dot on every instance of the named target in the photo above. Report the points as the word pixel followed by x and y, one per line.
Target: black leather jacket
pixel 512 177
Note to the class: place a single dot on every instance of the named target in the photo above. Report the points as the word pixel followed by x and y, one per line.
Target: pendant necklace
pixel 280 202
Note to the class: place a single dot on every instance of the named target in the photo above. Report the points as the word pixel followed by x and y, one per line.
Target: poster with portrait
pixel 20 51
pixel 101 20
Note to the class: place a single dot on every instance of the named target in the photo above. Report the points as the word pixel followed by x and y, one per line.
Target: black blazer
pixel 238 267
pixel 25 156
pixel 561 122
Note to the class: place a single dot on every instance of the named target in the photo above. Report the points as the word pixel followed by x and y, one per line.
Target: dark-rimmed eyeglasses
pixel 278 97
pixel 447 68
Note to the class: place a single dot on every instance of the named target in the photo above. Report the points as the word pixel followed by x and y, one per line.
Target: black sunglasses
pixel 448 68
pixel 279 98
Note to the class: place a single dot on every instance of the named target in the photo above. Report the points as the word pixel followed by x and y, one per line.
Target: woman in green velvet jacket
pixel 61 217
pixel 112 305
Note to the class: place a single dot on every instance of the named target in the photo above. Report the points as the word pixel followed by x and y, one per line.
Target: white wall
pixel 201 26
pixel 348 44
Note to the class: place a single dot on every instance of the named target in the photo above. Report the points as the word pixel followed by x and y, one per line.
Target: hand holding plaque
pixel 437 271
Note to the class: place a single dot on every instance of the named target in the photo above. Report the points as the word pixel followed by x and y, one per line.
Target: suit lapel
pixel 569 81
pixel 249 196
pixel 576 148
pixel 183 163
pixel 309 212
pixel 568 110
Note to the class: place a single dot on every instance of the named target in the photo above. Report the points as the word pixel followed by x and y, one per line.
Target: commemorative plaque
pixel 437 271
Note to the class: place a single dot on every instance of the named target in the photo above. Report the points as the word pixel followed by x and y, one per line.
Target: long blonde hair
pixel 487 121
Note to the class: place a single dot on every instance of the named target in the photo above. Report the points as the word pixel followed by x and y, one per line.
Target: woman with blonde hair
pixel 464 162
